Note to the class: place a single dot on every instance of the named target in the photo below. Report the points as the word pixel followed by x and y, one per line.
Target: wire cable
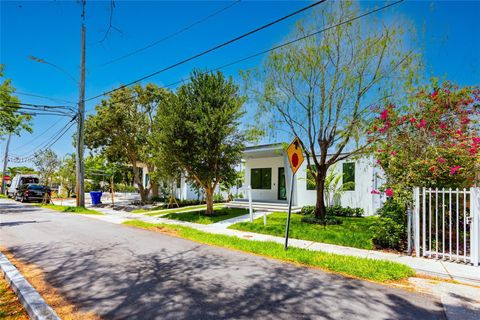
pixel 55 137
pixel 43 97
pixel 210 50
pixel 172 35
pixel 276 47
pixel 37 137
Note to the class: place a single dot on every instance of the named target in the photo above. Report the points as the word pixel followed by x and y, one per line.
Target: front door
pixel 282 186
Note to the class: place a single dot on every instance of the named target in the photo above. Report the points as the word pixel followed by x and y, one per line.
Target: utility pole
pixel 5 162
pixel 80 170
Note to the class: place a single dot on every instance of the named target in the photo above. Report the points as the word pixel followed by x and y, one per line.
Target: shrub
pixel 329 220
pixel 218 197
pixel 121 187
pixel 338 211
pixel 391 230
pixel 345 211
pixel 393 210
pixel 387 233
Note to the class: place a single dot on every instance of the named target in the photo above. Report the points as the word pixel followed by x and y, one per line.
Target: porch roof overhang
pixel 263 151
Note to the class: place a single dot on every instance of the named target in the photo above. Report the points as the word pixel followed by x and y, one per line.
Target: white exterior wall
pixel 361 197
pixel 272 162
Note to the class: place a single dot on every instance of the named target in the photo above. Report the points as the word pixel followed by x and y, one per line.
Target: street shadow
pixel 13 208
pixel 123 282
pixel 19 223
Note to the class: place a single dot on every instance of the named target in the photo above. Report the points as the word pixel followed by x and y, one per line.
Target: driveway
pixel 120 272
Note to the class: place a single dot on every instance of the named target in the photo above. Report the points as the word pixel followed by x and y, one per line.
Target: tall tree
pixel 66 173
pixel 121 127
pixel 433 143
pixel 11 122
pixel 320 89
pixel 198 129
pixel 47 163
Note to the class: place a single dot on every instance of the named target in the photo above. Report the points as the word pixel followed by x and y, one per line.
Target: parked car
pixel 33 192
pixel 19 180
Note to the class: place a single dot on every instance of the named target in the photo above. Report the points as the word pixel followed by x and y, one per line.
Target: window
pixel 261 178
pixel 147 180
pixel 311 184
pixel 349 176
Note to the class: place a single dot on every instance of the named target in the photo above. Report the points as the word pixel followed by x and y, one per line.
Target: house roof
pixel 263 151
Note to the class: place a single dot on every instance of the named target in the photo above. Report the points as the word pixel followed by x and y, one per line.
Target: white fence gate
pixel 446 224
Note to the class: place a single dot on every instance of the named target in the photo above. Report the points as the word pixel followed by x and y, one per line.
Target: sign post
pixel 295 158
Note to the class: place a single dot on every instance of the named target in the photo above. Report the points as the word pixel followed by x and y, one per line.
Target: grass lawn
pixel 199 216
pixel 3 196
pixel 10 307
pixel 363 268
pixel 160 210
pixel 69 209
pixel 353 232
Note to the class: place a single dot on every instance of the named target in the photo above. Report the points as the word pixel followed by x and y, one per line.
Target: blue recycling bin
pixel 96 197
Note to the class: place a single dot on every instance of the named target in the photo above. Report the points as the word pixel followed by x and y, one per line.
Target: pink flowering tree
pixel 435 142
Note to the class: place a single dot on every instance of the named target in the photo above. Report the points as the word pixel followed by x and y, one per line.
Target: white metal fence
pixel 446 224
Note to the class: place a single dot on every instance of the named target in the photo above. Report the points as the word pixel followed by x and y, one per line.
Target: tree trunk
pixel 209 199
pixel 154 189
pixel 320 208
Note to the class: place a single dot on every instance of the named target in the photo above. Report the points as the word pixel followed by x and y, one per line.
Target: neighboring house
pixel 268 173
pixel 183 189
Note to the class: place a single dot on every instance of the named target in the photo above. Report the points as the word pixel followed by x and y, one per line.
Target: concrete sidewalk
pixel 443 269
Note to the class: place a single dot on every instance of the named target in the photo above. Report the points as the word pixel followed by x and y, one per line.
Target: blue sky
pixel 51 30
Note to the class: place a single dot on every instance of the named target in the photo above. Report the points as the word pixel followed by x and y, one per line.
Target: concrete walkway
pixel 448 270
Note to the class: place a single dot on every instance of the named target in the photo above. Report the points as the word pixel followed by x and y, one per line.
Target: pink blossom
pixel 441 160
pixel 413 120
pixel 384 114
pixel 389 192
pixel 375 191
pixel 465 121
pixel 421 124
pixel 443 126
pixel 434 95
pixel 393 153
pixel 454 169
pixel 476 140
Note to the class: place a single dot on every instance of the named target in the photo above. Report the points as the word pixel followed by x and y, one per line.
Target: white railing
pixel 447 224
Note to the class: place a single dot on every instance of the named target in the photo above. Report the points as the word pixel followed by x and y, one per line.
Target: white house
pixel 268 173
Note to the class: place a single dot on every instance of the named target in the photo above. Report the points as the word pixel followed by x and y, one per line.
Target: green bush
pixel 393 210
pixel 391 230
pixel 387 233
pixel 338 211
pixel 121 187
pixel 218 197
pixel 328 221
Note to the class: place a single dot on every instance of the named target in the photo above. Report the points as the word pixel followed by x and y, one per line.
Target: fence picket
pixel 459 232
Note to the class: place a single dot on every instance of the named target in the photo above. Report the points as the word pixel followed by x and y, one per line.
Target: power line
pixel 40 105
pixel 47 144
pixel 172 35
pixel 17 109
pixel 43 97
pixel 276 47
pixel 37 137
pixel 211 49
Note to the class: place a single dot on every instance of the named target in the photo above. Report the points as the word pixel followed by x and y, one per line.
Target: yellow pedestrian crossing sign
pixel 295 154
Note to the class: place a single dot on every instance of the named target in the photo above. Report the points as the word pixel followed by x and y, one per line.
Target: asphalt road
pixel 121 272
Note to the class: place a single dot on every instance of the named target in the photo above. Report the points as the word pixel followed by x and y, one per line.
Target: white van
pixel 19 180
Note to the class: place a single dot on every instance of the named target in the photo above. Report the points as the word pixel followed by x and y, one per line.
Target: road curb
pixel 31 300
